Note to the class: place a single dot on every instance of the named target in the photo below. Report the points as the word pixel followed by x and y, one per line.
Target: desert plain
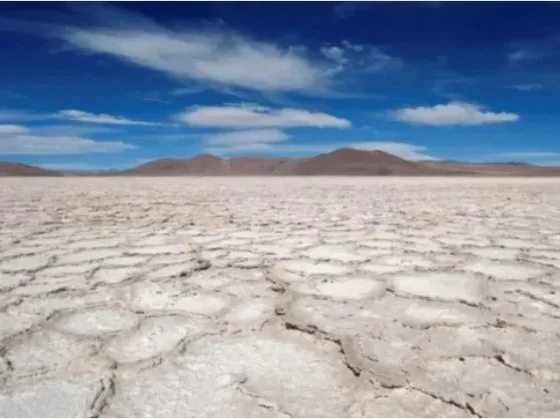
pixel 279 297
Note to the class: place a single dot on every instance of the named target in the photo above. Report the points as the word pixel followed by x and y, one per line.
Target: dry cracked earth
pixel 279 297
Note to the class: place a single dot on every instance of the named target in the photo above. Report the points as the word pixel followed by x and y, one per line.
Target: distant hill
pixel 20 169
pixel 340 162
pixel 204 164
pixel 209 165
pixel 495 169
pixel 348 161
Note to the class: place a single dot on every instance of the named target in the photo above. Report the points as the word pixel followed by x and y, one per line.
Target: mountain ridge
pixel 339 162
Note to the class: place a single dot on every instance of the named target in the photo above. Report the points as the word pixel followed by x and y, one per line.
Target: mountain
pixel 209 165
pixel 20 169
pixel 494 169
pixel 204 164
pixel 348 161
pixel 340 162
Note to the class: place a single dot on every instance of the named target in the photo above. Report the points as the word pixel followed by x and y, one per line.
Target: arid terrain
pixel 341 162
pixel 279 297
pixel 20 169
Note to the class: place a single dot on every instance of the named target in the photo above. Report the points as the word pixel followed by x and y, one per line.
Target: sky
pixel 95 86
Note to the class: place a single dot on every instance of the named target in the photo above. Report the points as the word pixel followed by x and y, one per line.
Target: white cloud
pixel 333 53
pixel 12 130
pixel 453 113
pixel 253 116
pixel 217 57
pixel 19 115
pixel 15 139
pixel 213 57
pixel 102 118
pixel 528 87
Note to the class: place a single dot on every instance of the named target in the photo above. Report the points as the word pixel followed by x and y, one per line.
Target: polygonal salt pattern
pixel 279 297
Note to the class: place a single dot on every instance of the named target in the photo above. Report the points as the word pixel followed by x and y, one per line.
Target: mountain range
pixel 341 162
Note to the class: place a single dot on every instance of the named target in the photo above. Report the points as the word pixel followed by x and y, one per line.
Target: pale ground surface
pixel 279 297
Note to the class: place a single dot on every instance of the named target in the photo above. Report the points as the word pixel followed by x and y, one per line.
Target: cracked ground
pixel 279 297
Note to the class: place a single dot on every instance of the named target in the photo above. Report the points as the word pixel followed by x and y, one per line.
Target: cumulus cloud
pixel 102 118
pixel 254 116
pixel 15 139
pixel 453 113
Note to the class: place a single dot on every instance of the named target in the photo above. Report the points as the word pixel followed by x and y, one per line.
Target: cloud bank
pixel 254 116
pixel 17 139
pixel 453 113
pixel 103 118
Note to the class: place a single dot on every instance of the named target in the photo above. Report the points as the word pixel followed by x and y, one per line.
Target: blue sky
pixel 108 85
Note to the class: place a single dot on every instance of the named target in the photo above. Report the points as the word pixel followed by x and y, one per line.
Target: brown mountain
pixel 494 169
pixel 203 164
pixel 341 162
pixel 209 165
pixel 20 169
pixel 348 161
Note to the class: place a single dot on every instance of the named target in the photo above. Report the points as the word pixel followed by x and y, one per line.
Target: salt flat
pixel 279 297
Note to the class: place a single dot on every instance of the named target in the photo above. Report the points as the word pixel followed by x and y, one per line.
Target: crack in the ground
pixel 316 224
pixel 537 298
pixel 467 407
pixel 101 398
pixel 260 400
pixel 345 346
pixel 500 358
